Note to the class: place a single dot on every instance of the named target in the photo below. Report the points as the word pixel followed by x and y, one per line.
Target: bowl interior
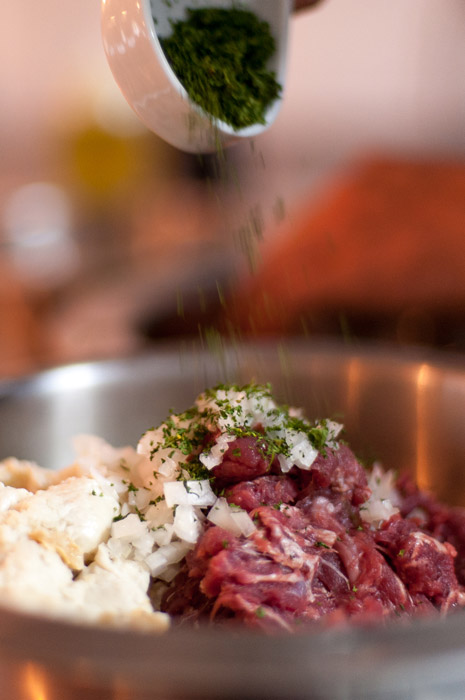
pixel 402 409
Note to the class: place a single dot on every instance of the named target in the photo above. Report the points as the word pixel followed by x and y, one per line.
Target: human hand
pixel 301 4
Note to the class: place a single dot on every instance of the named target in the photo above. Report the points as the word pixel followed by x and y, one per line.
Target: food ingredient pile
pixel 236 509
pixel 220 56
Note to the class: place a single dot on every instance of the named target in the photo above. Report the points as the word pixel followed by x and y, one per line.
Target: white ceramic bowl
pixel 140 68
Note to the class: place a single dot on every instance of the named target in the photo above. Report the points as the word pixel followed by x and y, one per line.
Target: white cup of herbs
pixel 187 71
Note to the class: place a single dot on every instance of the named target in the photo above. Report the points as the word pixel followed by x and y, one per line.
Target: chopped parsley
pixel 220 56
pixel 117 518
pixel 236 412
pixel 157 500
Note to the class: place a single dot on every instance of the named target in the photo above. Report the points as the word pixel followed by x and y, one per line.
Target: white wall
pixel 368 73
pixel 364 77
pixel 362 74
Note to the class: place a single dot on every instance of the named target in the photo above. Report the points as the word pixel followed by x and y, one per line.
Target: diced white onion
pixel 381 505
pixel 140 498
pixel 159 514
pixel 185 493
pixel 169 467
pixel 302 453
pixel 243 521
pixel 143 546
pixel 187 525
pixel 376 512
pixel 237 522
pixel 215 455
pixel 149 441
pixel 163 534
pixel 334 429
pixel 130 526
pixel 169 573
pixel 163 557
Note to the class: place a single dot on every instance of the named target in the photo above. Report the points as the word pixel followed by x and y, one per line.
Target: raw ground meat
pixel 244 459
pixel 312 556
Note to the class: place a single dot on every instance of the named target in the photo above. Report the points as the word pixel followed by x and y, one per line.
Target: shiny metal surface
pixel 406 409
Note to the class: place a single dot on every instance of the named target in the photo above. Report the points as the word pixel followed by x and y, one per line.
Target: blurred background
pixel 346 219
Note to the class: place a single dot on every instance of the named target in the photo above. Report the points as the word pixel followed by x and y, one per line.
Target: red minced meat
pixel 452 530
pixel 244 459
pixel 445 523
pixel 269 490
pixel 340 470
pixel 311 556
pixel 275 575
pixel 424 564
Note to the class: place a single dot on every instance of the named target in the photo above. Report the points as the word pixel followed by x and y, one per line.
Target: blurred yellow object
pixel 102 161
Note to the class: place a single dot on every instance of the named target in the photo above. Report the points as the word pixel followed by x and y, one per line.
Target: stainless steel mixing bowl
pixel 406 409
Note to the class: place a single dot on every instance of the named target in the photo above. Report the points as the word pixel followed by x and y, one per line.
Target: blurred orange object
pixel 19 335
pixel 388 239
